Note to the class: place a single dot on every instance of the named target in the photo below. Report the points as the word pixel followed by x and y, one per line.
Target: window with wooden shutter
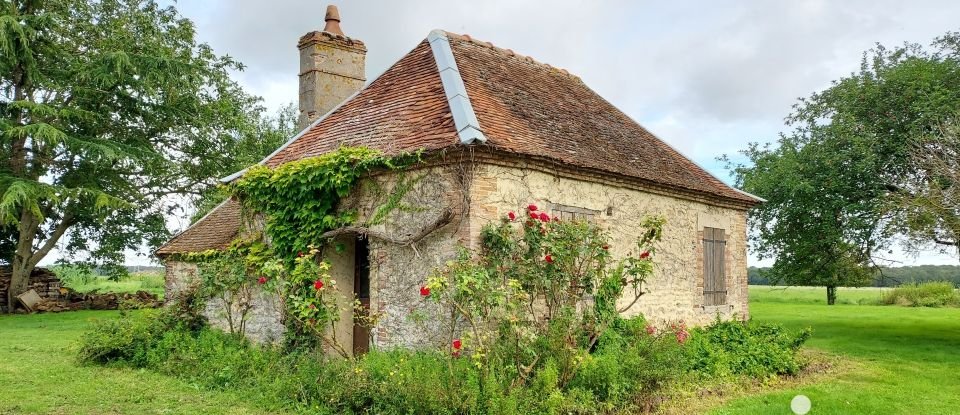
pixel 714 277
pixel 564 212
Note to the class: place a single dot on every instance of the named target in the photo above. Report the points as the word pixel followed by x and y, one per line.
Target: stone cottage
pixel 499 131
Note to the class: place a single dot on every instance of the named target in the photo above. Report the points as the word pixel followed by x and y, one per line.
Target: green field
pixel 814 295
pixel 151 282
pixel 39 376
pixel 888 360
pixel 901 360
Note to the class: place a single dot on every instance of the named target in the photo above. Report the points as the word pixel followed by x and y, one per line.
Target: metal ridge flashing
pixel 464 119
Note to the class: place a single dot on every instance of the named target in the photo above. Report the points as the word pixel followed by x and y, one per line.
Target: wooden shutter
pixel 714 277
pixel 564 212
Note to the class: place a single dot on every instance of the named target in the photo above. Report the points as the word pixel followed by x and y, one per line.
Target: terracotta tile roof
pixel 214 231
pixel 530 108
pixel 523 107
pixel 402 110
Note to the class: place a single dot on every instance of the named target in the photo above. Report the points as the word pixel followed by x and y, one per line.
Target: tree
pixel 265 135
pixel 835 182
pixel 931 203
pixel 107 108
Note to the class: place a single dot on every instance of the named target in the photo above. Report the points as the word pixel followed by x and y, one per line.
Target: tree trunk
pixel 21 268
pixel 831 295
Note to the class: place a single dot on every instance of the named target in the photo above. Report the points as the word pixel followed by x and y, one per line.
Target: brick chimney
pixel 331 68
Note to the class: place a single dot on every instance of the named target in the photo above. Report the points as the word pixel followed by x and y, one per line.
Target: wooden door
pixel 361 288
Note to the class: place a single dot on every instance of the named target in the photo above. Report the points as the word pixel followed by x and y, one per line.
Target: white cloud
pixel 705 76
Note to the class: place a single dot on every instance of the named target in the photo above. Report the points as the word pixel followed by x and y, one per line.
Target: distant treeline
pixel 887 277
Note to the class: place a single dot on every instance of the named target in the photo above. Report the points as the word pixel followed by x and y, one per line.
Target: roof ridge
pixel 509 52
pixel 464 117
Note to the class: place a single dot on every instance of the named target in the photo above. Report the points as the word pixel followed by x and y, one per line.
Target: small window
pixel 714 276
pixel 563 212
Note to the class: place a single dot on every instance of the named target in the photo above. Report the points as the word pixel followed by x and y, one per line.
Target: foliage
pixel 631 362
pixel 84 279
pixel 833 184
pixel 313 301
pixel 228 275
pixel 527 291
pixel 107 108
pixel 127 339
pixel 926 294
pixel 931 208
pixel 263 135
pixel 886 276
pixel 737 348
pixel 299 200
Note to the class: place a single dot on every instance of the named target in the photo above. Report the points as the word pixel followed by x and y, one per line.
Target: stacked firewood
pixel 71 300
pixel 54 298
pixel 42 280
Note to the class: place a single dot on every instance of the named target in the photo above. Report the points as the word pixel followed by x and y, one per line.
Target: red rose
pixel 532 208
pixel 317 285
pixel 544 217
pixel 457 344
pixel 645 255
pixel 548 258
pixel 512 215
pixel 682 336
pixel 606 247
pixel 456 353
pixel 534 216
pixel 262 280
pixel 300 254
pixel 651 330
pixel 311 306
pixel 425 291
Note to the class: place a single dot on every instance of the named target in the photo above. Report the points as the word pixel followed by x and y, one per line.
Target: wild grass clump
pixel 632 365
pixel 924 294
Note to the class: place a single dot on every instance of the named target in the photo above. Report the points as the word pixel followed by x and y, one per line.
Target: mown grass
pixel 40 376
pixel 815 295
pixel 897 360
pixel 905 360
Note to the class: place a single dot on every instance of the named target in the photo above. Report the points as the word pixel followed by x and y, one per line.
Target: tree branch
pixel 945 242
pixel 61 228
pixel 444 218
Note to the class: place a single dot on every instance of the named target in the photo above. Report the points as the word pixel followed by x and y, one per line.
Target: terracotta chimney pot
pixel 333 21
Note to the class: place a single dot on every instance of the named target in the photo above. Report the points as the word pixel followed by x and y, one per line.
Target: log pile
pixel 55 298
pixel 42 280
pixel 71 300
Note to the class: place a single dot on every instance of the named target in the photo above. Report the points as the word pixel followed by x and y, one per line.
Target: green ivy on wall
pixel 299 200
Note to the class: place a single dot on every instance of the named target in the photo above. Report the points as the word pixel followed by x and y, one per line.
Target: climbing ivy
pixel 300 200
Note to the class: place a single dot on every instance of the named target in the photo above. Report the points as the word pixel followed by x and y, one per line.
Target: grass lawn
pixel 39 376
pixel 897 360
pixel 905 360
pixel 814 295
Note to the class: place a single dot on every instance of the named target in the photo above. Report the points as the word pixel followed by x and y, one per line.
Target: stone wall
pixel 676 289
pixel 396 271
pixel 264 321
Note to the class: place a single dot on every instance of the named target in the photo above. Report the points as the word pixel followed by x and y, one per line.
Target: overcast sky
pixel 706 76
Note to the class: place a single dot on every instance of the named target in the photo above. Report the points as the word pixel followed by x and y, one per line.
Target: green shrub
pixel 128 339
pixel 737 348
pixel 925 294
